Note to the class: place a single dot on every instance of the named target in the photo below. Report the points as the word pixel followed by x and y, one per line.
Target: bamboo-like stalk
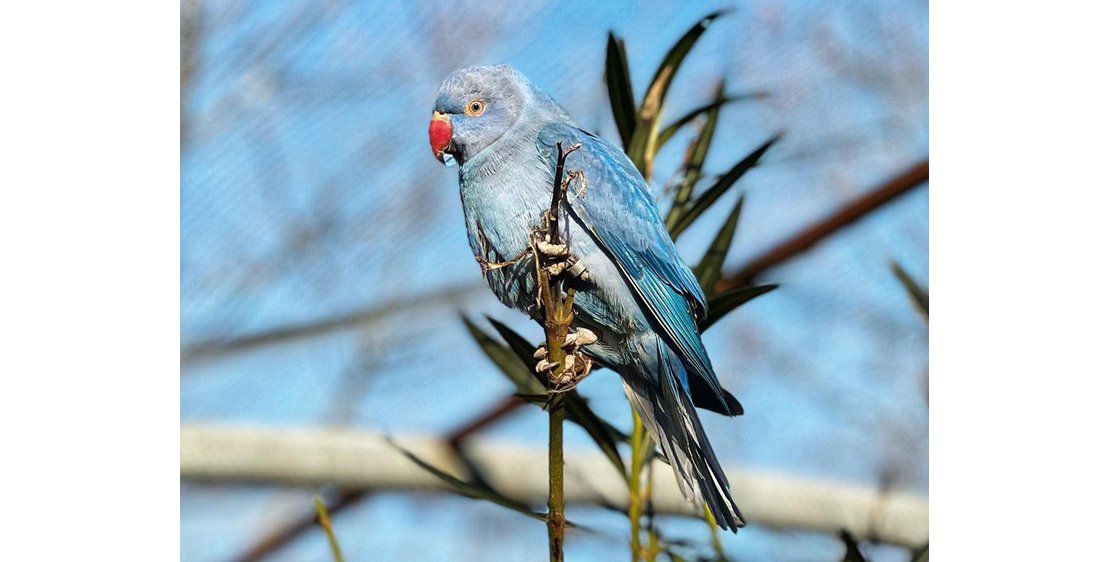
pixel 558 313
pixel 654 547
pixel 635 501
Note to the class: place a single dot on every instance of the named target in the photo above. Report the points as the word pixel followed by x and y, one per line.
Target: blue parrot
pixel 634 292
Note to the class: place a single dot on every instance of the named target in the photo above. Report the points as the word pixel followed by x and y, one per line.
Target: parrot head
pixel 474 107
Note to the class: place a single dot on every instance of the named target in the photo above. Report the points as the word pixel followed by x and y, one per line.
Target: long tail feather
pixel 669 415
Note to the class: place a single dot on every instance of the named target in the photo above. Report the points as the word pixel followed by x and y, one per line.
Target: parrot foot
pixel 576 365
pixel 575 368
pixel 580 338
pixel 557 259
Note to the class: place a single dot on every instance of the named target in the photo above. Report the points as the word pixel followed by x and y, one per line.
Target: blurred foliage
pixel 918 295
pixel 473 488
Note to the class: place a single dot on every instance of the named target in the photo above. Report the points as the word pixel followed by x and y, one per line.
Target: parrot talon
pixel 541 353
pixel 545 365
pixel 575 368
pixel 579 339
pixel 557 259
pixel 550 250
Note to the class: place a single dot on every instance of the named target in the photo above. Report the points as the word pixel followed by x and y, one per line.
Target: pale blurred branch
pixel 363 460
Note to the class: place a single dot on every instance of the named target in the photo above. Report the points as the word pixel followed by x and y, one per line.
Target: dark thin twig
pixel 853 211
pixel 358 318
pixel 504 406
pixel 281 537
pixel 558 190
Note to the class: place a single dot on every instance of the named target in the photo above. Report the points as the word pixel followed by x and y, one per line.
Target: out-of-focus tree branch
pixel 899 185
pixel 358 318
pixel 281 537
pixel 361 460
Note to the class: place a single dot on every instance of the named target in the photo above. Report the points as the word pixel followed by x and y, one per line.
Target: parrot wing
pixel 617 209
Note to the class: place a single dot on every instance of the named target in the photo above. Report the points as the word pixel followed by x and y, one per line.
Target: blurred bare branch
pixel 364 460
pixel 281 537
pixel 901 184
pixel 359 318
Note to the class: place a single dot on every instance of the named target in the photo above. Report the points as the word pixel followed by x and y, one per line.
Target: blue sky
pixel 308 190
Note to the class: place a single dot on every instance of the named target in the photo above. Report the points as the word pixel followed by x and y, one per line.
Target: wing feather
pixel 618 211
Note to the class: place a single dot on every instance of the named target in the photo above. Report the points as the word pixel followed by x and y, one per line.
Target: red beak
pixel 439 134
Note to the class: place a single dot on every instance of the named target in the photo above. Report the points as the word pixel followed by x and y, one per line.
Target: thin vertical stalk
pixel 557 317
pixel 635 501
pixel 653 537
pixel 558 313
pixel 556 520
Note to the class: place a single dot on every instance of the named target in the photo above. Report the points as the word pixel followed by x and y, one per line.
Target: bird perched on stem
pixel 634 294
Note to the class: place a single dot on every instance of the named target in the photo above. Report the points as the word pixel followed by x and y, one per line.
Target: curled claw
pixel 552 250
pixel 541 353
pixel 557 259
pixel 575 368
pixel 568 365
pixel 580 338
pixel 545 365
pixel 558 267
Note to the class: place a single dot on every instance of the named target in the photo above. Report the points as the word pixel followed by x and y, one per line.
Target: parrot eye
pixel 475 107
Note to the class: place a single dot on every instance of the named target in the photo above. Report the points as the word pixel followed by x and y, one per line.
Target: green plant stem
pixel 325 522
pixel 653 537
pixel 635 501
pixel 556 520
pixel 556 323
pixel 558 314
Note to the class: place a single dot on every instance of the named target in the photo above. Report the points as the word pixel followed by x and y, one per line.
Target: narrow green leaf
pixel 664 75
pixel 601 431
pixel 643 145
pixel 471 489
pixel 506 360
pixel 921 554
pixel 648 451
pixel 537 399
pixel 694 162
pixel 669 131
pixel 708 270
pixel 619 84
pixel 719 188
pixel 578 411
pixel 675 557
pixel 725 302
pixel 851 548
pixel 637 149
pixel 517 343
pixel 918 295
pixel 324 519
